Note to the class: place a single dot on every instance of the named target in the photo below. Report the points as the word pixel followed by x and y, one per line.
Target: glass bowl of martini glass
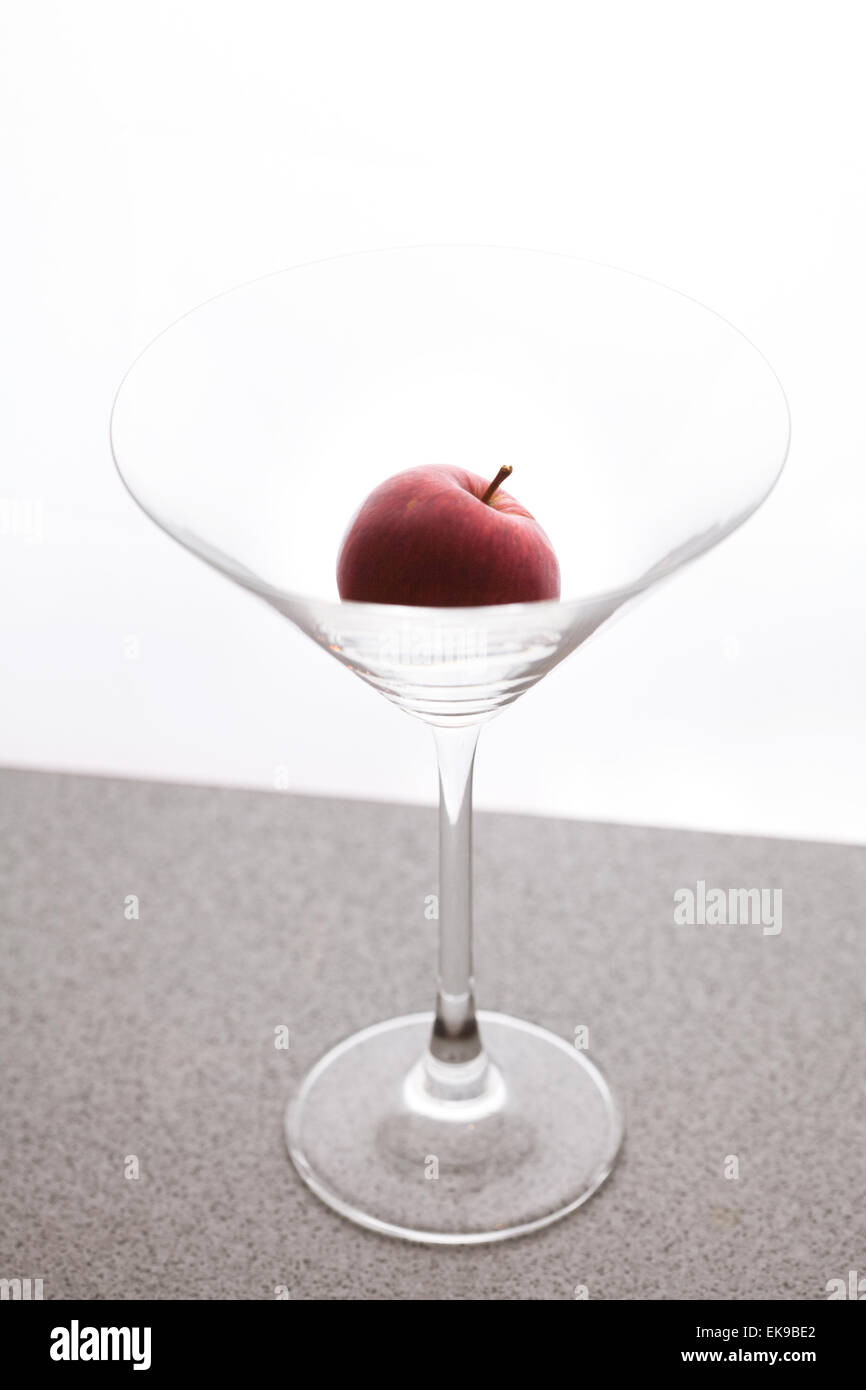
pixel 641 428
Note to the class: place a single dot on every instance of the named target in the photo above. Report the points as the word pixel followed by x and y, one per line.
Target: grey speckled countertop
pixel 155 1037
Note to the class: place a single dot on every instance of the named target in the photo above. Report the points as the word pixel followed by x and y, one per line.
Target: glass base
pixel 451 1155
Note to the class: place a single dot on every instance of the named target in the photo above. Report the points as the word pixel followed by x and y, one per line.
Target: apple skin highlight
pixel 426 538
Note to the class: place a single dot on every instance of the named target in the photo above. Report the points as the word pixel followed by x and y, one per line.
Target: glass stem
pixel 455 1039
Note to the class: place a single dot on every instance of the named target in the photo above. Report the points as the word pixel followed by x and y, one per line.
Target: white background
pixel 154 154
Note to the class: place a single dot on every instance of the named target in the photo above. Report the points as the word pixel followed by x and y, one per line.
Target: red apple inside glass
pixel 442 537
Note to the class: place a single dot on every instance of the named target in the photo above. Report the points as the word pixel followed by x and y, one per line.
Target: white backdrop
pixel 154 154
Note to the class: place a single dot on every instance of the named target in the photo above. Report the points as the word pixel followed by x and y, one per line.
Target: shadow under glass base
pixel 374 1136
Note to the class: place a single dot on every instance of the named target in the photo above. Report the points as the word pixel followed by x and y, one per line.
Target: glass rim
pixel 616 595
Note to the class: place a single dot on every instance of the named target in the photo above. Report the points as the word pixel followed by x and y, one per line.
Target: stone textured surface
pixel 155 1037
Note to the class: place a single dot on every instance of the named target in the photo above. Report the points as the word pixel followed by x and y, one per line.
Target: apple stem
pixel 503 473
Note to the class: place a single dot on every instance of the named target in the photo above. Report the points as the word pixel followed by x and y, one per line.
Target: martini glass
pixel 642 429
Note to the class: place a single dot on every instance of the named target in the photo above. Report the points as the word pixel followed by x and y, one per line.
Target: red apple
pixel 442 537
